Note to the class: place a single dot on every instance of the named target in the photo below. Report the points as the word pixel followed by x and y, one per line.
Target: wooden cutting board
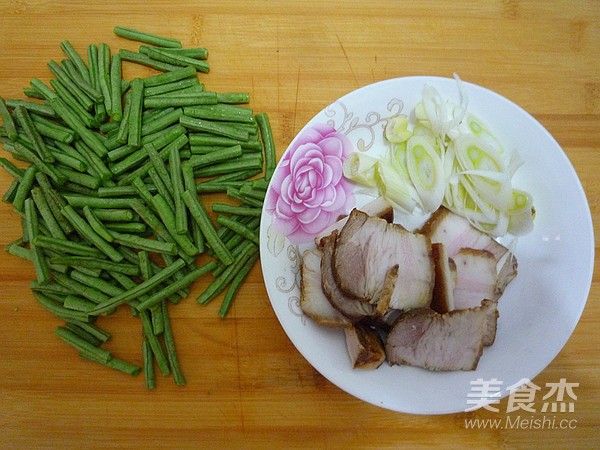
pixel 247 386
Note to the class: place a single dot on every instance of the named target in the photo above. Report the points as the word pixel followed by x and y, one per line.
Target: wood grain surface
pixel 247 385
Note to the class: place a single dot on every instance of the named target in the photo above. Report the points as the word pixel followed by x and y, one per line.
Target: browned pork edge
pixel 442 299
pixel 365 348
pixel 313 301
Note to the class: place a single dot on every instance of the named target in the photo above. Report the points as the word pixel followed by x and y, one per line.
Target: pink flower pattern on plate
pixel 308 191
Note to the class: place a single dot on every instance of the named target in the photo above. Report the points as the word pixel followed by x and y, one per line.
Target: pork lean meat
pixel 439 342
pixel 350 307
pixel 377 261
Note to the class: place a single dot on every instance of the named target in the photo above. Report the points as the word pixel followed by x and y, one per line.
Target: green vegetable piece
pixel 7 120
pixel 208 230
pixel 130 33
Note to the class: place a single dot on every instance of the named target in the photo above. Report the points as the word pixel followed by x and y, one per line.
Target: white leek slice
pixel 360 168
pixel 397 159
pixel 520 213
pixel 396 129
pixel 427 173
pixel 394 187
pixel 522 223
pixel 473 154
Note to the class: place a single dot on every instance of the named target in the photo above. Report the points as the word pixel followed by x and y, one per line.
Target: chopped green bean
pixel 104 74
pixel 135 113
pixel 116 111
pixel 80 178
pixel 127 55
pixel 148 359
pixel 65 246
pixel 97 225
pixel 114 215
pixel 174 287
pixel 123 133
pixel 10 193
pixel 220 111
pixel 38 108
pixel 59 310
pixel 85 230
pixel 236 282
pixel 269 146
pixel 233 97
pixel 8 122
pixel 81 289
pixel 12 169
pixel 84 85
pixel 181 215
pixel 44 209
pixel 96 283
pixel 52 130
pixel 142 288
pixel 225 278
pixel 208 230
pixel 24 188
pixel 238 228
pixel 80 302
pixel 239 210
pixel 92 329
pixel 76 59
pixel 39 262
pixel 218 128
pixel 140 36
pixel 168 218
pixel 170 346
pixel 151 245
pixel 200 98
pixel 173 87
pixel 235 193
pixel 175 59
pixel 162 189
pixel 70 85
pixel 169 77
pixel 82 345
pixel 197 139
pixel 224 154
pixel 162 122
pixel 79 201
pixel 24 120
pixel 245 162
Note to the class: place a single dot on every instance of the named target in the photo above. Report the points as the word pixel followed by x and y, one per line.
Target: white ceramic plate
pixel 538 311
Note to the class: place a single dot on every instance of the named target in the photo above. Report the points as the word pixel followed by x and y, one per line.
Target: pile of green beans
pixel 108 188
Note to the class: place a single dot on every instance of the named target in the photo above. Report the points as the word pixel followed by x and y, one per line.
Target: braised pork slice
pixel 507 270
pixel 439 342
pixel 350 307
pixel 442 300
pixel 379 207
pixel 491 311
pixel 369 251
pixel 313 301
pixel 455 232
pixel 364 346
pixel 476 278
